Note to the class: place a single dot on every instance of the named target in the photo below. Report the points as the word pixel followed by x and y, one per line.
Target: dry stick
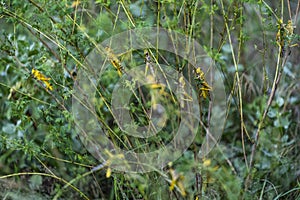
pixel 198 176
pixel 297 11
pixel 68 183
pixel 208 135
pixel 271 97
pixel 243 126
pixel 289 8
pixel 237 78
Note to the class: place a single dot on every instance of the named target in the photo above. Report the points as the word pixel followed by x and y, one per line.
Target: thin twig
pixel 237 77
pixel 289 8
pixel 279 67
pixel 297 12
pixel 278 73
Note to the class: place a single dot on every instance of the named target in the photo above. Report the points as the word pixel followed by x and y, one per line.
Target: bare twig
pixel 278 73
pixel 297 11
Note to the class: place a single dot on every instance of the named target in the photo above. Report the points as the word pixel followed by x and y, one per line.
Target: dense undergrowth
pixel 255 46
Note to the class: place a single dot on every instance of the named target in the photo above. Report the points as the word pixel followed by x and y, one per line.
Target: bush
pixel 44 46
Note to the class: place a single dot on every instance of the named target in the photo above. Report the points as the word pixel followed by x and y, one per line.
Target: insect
pixel 176 181
pixel 201 83
pixel 284 35
pixel 114 61
pixel 41 77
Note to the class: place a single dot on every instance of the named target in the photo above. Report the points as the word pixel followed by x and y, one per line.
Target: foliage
pixel 43 44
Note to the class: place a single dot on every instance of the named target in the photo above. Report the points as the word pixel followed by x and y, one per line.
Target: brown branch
pixel 259 128
pixel 297 11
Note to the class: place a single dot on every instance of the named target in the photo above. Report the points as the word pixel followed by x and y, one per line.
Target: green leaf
pixel 272 113
pixel 35 181
pixel 280 101
pixel 9 128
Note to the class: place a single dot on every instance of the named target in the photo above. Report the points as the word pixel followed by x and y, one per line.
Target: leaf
pixel 280 101
pixel 272 113
pixel 9 128
pixel 35 181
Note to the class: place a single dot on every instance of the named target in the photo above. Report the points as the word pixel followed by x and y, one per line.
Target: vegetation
pixel 44 154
